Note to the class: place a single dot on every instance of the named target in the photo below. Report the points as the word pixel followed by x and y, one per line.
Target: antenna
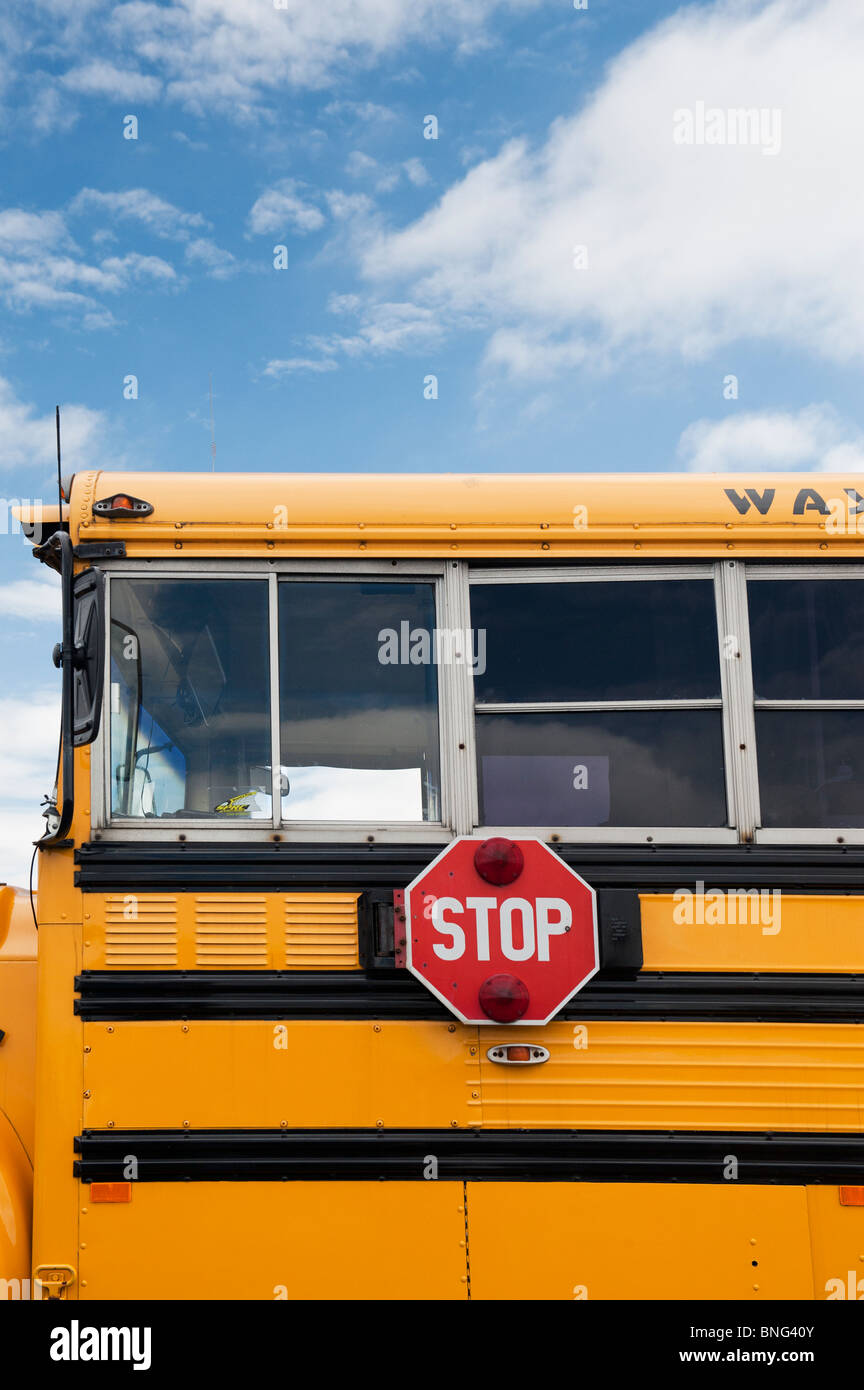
pixel 59 483
pixel 212 430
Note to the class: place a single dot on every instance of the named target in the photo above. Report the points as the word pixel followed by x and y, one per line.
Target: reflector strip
pixel 110 1192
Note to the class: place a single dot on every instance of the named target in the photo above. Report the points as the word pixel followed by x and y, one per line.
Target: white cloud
pixel 42 268
pixel 383 327
pixel 385 176
pixel 216 261
pixel 689 247
pixel 140 205
pixel 28 756
pixel 812 438
pixel 104 79
pixel 281 209
pixel 279 367
pixel 28 439
pixel 365 111
pixel 22 231
pixel 33 599
pixel 230 54
pixel 416 171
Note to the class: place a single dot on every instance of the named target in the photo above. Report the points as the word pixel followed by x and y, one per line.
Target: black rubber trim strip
pixel 139 866
pixel 119 995
pixel 213 1155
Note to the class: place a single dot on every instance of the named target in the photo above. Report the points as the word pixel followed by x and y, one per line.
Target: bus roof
pixel 505 515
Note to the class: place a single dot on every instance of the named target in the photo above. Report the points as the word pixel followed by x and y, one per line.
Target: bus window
pixel 807 649
pixel 559 741
pixel 358 699
pixel 190 717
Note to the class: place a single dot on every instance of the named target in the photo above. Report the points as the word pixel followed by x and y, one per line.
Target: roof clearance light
pixel 122 507
pixel 499 861
pixel 503 998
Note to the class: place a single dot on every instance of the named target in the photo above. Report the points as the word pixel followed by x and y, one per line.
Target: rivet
pixel 379 1124
pixel 452 525
pixel 271 545
pixel 454 1124
pixel 544 525
pixel 544 545
pixel 451 1027
pixel 86 1095
pixel 638 545
pixel 178 545
pixel 185 1028
pixel 110 1028
pixel 83 1245
pixel 83 1211
pixel 473 1052
pixel 475 1095
pixel 110 1124
pixel 87 1048
pixel 755 1288
pixel 269 525
pixel 283 1124
pixel 823 545
pixel 185 1124
pixel 376 1028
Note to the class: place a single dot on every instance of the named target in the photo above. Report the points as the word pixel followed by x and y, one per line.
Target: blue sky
pixel 303 126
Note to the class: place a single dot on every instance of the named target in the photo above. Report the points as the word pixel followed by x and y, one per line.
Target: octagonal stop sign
pixel 502 931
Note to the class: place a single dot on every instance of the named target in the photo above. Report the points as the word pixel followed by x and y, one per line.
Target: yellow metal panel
pixel 638 1240
pixel 140 931
pixel 321 931
pixel 817 934
pixel 261 1074
pixel 523 515
pixel 231 931
pixel 838 1244
pixel 266 1240
pixel 18 1014
pixel 221 931
pixel 699 1076
pixel 16 1204
pixel 59 1084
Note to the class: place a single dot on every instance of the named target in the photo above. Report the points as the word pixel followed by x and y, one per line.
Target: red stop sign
pixel 508 951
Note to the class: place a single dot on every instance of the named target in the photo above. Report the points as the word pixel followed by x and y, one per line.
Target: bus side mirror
pixel 88 662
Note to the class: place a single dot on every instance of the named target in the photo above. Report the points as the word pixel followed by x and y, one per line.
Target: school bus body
pixel 230 1078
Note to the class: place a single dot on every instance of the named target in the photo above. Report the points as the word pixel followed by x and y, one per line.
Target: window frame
pixel 707 571
pixel 452 731
pixel 845 570
pixel 452 582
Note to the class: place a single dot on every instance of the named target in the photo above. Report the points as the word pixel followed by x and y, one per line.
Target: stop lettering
pixel 502 931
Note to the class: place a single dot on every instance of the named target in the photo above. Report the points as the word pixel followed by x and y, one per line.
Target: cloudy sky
pixel 579 268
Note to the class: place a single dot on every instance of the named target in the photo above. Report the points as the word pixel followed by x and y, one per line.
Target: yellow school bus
pixel 284 696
